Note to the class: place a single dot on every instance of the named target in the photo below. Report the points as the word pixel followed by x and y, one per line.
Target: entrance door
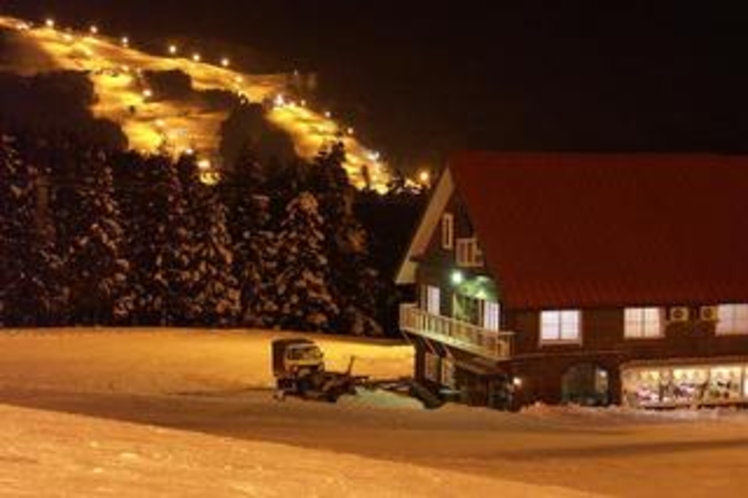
pixel 586 384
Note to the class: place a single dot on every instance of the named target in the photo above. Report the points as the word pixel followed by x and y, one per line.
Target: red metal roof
pixel 585 230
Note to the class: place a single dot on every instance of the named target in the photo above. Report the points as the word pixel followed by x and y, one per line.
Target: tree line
pixel 96 236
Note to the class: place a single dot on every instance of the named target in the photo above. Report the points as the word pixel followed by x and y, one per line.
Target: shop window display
pixel 685 385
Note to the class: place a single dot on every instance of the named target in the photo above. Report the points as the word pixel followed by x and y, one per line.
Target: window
pixel 469 254
pixel 448 231
pixel 560 326
pixel 433 300
pixel 642 323
pixel 733 319
pixel 466 309
pixel 491 315
pixel 674 385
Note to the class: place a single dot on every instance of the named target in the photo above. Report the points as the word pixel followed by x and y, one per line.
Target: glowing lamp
pixel 147 93
pixel 225 62
pixel 424 177
pixel 197 57
pixel 457 277
pixel 517 382
pixel 125 41
pixel 94 30
pixel 50 23
pixel 173 49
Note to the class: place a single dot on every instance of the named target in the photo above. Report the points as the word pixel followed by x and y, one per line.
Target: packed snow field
pixel 188 413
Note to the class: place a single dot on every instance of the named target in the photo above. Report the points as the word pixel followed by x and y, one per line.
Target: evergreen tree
pixel 92 241
pixel 356 285
pixel 153 208
pixel 209 281
pixel 257 268
pixel 30 270
pixel 302 284
pixel 254 242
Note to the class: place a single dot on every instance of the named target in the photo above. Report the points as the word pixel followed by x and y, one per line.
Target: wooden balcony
pixel 461 335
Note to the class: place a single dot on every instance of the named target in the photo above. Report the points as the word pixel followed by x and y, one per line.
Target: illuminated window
pixel 448 231
pixel 433 300
pixel 560 326
pixel 469 255
pixel 642 323
pixel 733 319
pixel 491 315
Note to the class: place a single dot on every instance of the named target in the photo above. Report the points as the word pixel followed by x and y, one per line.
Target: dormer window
pixel 448 231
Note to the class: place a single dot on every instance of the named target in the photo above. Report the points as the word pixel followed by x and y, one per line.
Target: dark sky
pixel 426 79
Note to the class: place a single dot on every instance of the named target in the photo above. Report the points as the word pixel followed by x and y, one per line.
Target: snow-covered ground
pixel 49 454
pixel 173 361
pixel 184 413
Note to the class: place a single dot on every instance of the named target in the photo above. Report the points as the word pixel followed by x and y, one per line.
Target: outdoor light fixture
pixel 147 93
pixel 173 49
pixel 94 30
pixel 225 62
pixel 457 277
pixel 424 177
pixel 125 41
pixel 50 23
pixel 517 382
pixel 197 57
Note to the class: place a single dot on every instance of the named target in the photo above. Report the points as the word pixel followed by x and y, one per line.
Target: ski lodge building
pixel 584 278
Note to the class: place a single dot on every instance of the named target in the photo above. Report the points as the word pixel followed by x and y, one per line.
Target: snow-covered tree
pixel 92 239
pixel 356 284
pixel 153 207
pixel 30 280
pixel 210 284
pixel 302 285
pixel 254 241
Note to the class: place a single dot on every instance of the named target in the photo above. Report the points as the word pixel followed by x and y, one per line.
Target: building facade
pixel 591 279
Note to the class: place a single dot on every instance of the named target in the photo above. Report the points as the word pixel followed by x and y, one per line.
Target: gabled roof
pixel 579 230
pixel 438 201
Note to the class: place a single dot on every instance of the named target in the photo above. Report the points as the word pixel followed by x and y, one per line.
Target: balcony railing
pixel 461 335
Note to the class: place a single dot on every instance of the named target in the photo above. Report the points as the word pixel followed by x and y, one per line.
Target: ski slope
pixel 115 67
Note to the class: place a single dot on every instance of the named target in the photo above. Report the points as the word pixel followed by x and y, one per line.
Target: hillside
pixel 154 121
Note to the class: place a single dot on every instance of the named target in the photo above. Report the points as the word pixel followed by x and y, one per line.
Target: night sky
pixel 422 81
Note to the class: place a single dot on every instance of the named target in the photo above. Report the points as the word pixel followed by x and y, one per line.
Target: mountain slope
pixel 152 121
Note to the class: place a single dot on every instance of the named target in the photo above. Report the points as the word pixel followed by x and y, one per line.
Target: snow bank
pixel 624 415
pixel 54 454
